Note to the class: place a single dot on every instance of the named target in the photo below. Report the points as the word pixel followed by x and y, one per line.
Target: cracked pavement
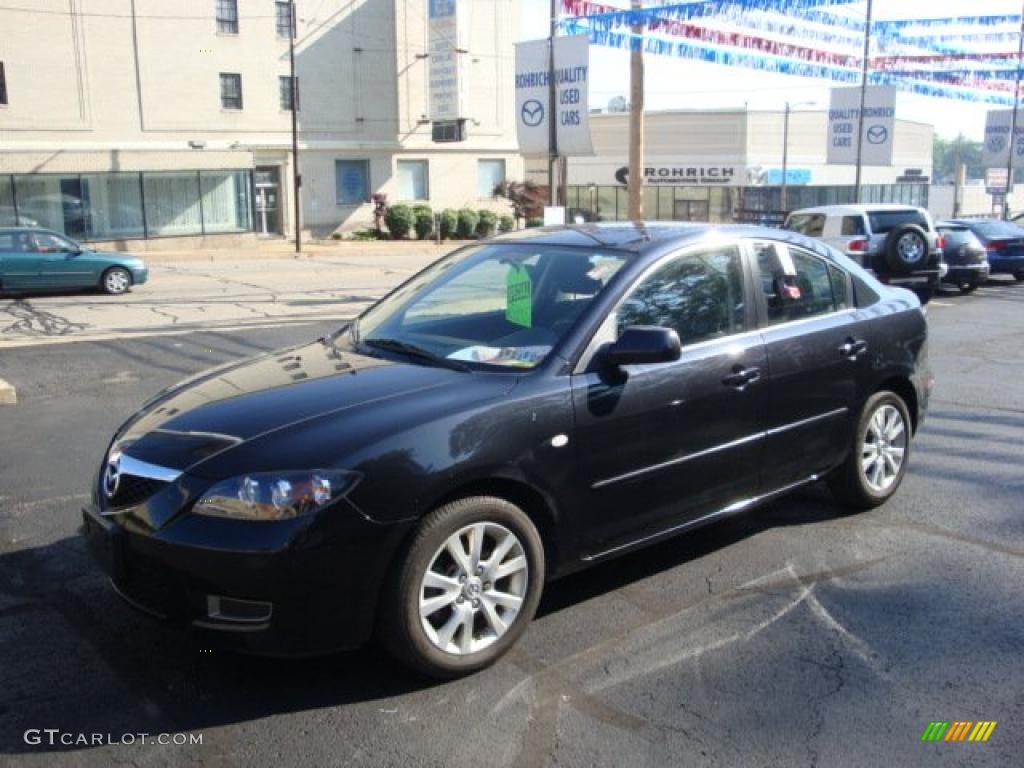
pixel 334 283
pixel 794 635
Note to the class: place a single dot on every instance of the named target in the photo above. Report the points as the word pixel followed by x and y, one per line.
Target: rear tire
pixel 878 457
pixel 116 281
pixel 967 288
pixel 466 589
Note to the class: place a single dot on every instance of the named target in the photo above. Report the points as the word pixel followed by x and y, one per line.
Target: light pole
pixel 785 146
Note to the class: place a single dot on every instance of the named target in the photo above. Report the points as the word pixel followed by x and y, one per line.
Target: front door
pixel 816 359
pixel 268 209
pixel 659 446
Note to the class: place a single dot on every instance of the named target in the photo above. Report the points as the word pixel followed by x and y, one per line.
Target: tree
pixel 527 198
pixel 944 155
pixel 618 104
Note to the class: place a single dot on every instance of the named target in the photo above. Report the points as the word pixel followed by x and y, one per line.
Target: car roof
pixel 641 237
pixel 855 209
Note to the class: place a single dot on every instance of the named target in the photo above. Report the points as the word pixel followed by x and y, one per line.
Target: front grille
pixel 132 490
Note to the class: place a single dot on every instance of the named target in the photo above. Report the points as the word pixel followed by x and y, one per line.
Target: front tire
pixel 115 281
pixel 878 457
pixel 468 587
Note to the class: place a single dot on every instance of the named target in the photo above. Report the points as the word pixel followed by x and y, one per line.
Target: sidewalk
pixel 285 249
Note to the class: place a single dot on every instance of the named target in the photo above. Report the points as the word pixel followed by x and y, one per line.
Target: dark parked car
pixel 965 256
pixel 34 259
pixel 520 409
pixel 1004 244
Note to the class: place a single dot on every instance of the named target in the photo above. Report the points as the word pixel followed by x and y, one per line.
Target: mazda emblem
pixel 112 475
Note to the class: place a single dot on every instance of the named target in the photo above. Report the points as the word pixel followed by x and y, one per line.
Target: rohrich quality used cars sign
pixel 879 126
pixel 996 152
pixel 572 77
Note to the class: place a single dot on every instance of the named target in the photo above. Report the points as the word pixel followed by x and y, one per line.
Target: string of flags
pixel 968 58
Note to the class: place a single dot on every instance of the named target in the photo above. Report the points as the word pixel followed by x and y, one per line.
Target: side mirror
pixel 644 345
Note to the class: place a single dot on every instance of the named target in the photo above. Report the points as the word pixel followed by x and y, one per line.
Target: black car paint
pixel 420 435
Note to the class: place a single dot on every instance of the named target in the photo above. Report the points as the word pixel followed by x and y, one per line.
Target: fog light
pixel 241 611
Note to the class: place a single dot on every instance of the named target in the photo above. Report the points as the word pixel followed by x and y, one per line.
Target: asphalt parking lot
pixel 793 636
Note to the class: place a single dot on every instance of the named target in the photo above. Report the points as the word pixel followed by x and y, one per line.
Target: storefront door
pixel 268 209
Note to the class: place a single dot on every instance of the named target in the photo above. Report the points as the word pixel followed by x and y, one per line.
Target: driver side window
pixel 699 295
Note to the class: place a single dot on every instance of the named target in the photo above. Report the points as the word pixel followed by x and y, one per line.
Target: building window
pixel 489 174
pixel 352 181
pixel 412 180
pixel 3 85
pixel 227 17
pixel 285 84
pixel 230 90
pixel 283 16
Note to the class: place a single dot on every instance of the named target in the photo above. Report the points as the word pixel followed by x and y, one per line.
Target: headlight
pixel 275 495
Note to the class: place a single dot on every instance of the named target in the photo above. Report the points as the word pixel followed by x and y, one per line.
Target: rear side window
pixel 853 226
pixel 809 224
pixel 884 222
pixel 840 287
pixel 796 284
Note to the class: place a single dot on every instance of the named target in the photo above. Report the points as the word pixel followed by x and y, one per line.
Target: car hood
pixel 235 403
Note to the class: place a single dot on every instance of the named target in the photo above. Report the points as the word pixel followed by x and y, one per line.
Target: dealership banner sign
pixel 996 152
pixel 572 79
pixel 879 126
pixel 448 34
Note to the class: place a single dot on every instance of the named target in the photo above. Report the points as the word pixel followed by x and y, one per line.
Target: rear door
pixel 661 445
pixel 817 357
pixel 19 263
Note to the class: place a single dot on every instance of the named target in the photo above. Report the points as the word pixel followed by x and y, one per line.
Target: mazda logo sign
pixel 112 475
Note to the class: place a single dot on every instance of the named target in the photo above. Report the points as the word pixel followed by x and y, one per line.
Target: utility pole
pixel 636 122
pixel 863 99
pixel 552 108
pixel 1013 124
pixel 296 176
pixel 785 157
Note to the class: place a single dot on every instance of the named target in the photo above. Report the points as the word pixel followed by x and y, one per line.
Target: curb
pixel 8 394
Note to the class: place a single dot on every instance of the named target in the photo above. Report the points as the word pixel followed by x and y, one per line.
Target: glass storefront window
pixel 114 205
pixel 7 212
pixel 227 204
pixel 606 208
pixel 651 212
pixel 172 203
pixel 40 203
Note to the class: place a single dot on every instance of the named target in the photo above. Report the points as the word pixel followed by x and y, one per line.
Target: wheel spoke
pixel 897 453
pixel 432 605
pixel 476 545
pixel 876 473
pixel 514 565
pixel 505 599
pixel 891 463
pixel 503 548
pixel 466 636
pixel 895 431
pixel 447 632
pixel 491 614
pixel 436 580
pixel 459 555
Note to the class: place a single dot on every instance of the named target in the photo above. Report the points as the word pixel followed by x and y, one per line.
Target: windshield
pixel 500 305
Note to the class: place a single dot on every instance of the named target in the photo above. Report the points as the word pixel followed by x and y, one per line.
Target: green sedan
pixel 40 259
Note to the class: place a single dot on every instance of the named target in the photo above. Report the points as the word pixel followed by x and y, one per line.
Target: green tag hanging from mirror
pixel 519 296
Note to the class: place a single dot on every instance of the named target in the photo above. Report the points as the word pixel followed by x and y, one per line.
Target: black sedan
pixel 1004 244
pixel 519 410
pixel 965 257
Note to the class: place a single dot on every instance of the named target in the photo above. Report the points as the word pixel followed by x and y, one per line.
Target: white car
pixel 899 243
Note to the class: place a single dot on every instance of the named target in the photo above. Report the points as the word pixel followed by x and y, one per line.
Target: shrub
pixel 424 221
pixel 367 234
pixel 468 219
pixel 400 220
pixel 506 223
pixel 335 235
pixel 487 224
pixel 449 223
pixel 535 222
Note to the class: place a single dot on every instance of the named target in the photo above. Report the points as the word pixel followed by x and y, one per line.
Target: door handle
pixel 741 377
pixel 853 348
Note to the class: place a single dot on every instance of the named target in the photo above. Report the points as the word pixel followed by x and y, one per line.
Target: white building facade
pixel 125 120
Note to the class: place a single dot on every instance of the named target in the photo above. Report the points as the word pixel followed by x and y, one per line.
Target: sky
pixel 680 84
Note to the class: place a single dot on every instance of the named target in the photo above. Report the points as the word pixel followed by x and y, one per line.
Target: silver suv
pixel 899 243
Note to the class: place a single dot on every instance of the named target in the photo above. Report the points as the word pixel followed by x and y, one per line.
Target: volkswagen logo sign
pixel 112 475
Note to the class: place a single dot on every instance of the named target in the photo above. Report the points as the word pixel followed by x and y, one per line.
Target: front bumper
pixel 310 588
pixel 140 275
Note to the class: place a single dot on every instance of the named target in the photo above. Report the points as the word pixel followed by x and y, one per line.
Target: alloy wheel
pixel 883 449
pixel 116 281
pixel 911 248
pixel 473 589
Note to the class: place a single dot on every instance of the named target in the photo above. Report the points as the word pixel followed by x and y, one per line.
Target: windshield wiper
pixel 405 348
